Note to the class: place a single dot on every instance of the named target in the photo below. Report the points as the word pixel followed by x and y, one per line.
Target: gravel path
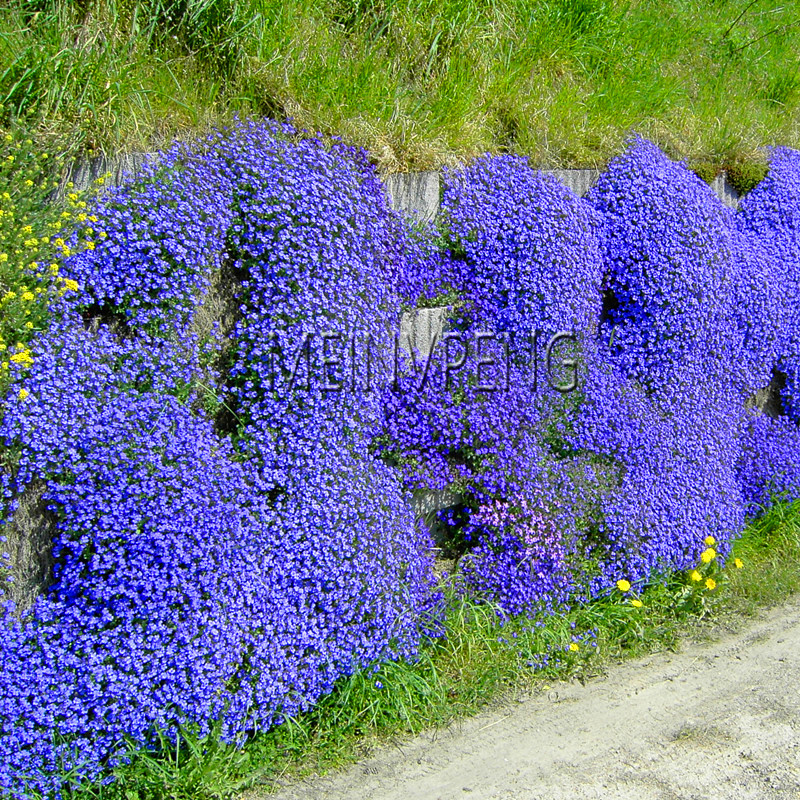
pixel 716 720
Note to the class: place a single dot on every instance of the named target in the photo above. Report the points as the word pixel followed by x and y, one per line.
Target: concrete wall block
pixel 28 541
pixel 421 329
pixel 578 180
pixel 85 172
pixel 427 502
pixel 726 193
pixel 415 192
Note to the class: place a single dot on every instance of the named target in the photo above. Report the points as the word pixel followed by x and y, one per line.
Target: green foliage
pixel 706 171
pixel 744 177
pixel 32 240
pixel 421 84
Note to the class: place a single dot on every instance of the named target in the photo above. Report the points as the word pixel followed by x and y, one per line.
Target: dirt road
pixel 716 720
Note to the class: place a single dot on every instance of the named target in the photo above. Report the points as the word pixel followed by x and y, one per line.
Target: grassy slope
pixel 419 82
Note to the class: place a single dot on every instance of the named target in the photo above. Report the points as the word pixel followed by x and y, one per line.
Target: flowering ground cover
pixel 230 475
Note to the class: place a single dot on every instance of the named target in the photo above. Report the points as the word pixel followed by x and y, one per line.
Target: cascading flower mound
pixel 226 548
pixel 227 438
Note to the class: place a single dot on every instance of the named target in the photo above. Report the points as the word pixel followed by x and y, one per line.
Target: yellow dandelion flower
pixel 710 540
pixel 636 603
pixel 623 585
pixel 28 295
pixel 711 584
pixel 707 556
pixel 29 325
pixel 695 576
pixel 574 647
pixel 738 563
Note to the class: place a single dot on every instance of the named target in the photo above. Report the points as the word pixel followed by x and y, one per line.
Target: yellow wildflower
pixel 710 540
pixel 9 296
pixel 623 585
pixel 738 563
pixel 90 245
pixel 54 269
pixel 636 603
pixel 3 258
pixel 27 229
pixel 574 647
pixel 707 556
pixel 29 325
pixel 695 576
pixel 92 218
pixel 9 137
pixel 10 159
pixel 29 183
pixel 70 285
pixel 28 295
pixel 22 358
pixel 6 196
pixel 711 584
pixel 23 393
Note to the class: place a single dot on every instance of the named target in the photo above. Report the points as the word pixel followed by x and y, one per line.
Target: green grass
pixel 421 83
pixel 477 662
